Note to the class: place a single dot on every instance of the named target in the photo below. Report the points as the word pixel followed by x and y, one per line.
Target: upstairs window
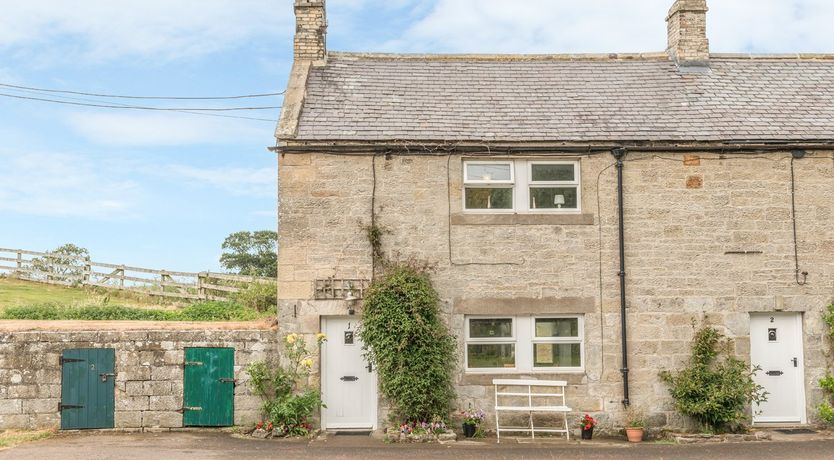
pixel 521 186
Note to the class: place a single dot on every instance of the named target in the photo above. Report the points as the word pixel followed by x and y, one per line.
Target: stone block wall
pixel 149 367
pixel 685 215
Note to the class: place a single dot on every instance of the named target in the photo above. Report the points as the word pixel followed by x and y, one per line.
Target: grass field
pixel 14 293
pixel 11 438
pixel 25 300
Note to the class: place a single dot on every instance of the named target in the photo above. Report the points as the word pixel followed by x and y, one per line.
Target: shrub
pixel 824 411
pixel 405 338
pixel 63 263
pixel 204 311
pixel 259 296
pixel 716 386
pixel 288 398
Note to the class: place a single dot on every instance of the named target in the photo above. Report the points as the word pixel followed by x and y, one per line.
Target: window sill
pixel 522 219
pixel 572 377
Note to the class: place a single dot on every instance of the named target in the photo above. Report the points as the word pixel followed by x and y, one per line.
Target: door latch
pixel 105 375
pixel 227 380
pixel 774 373
pixel 795 362
pixel 370 367
pixel 192 408
pixel 349 378
pixel 68 406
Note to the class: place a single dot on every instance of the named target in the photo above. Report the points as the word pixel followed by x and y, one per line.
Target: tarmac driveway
pixel 218 445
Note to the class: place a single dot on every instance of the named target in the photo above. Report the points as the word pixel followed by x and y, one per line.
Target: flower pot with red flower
pixel 587 424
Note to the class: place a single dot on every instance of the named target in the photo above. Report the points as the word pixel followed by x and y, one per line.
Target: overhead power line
pixel 118 96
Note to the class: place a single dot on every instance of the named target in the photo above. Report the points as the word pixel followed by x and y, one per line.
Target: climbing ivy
pixel 409 344
pixel 716 386
pixel 825 412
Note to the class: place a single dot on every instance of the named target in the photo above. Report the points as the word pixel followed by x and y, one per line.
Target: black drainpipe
pixel 619 154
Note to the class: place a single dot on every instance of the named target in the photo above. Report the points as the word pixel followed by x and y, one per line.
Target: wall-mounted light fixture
pixel 559 200
pixel 351 299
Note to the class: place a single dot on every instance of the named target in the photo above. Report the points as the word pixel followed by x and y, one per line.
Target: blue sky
pixel 164 189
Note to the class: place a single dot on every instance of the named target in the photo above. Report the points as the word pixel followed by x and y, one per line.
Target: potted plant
pixel 587 424
pixel 472 419
pixel 634 425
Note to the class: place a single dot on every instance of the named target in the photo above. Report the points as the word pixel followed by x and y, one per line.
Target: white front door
pixel 776 347
pixel 348 383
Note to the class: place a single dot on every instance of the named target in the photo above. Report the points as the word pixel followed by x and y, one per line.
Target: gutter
pixel 619 154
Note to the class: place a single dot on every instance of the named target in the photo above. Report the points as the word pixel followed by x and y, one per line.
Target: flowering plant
pixel 473 416
pixel 587 422
pixel 435 426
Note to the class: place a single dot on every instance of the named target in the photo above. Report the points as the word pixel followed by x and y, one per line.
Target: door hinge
pixel 227 380
pixel 193 363
pixel 68 406
pixel 191 408
pixel 63 360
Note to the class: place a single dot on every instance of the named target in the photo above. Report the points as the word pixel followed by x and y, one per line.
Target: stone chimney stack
pixel 687 29
pixel 310 30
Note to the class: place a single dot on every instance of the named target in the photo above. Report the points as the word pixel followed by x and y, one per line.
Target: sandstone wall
pixel 682 217
pixel 149 380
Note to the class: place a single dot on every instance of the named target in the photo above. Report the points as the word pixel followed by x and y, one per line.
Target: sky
pixel 163 189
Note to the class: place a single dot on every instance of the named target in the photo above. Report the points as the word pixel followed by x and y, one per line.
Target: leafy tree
pixel 64 263
pixel 251 253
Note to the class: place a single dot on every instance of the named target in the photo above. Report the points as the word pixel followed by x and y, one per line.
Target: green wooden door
pixel 209 387
pixel 87 388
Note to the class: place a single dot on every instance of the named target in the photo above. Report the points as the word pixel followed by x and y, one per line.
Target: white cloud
pixel 256 182
pixel 157 29
pixel 63 185
pixel 546 26
pixel 160 129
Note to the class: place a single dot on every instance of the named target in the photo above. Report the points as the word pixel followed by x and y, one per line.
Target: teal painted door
pixel 88 380
pixel 209 387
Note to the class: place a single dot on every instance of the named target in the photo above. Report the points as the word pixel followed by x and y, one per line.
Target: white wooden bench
pixel 508 393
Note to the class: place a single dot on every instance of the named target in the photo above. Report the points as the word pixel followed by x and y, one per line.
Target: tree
pixel 251 253
pixel 64 263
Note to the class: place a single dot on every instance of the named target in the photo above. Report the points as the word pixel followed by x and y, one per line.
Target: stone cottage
pixel 581 210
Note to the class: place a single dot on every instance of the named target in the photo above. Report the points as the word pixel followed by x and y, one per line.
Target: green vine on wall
pixel 716 387
pixel 825 411
pixel 409 344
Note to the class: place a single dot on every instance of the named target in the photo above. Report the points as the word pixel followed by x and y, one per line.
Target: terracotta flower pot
pixel 634 434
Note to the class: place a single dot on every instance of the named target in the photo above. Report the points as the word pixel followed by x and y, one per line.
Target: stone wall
pixel 683 216
pixel 149 380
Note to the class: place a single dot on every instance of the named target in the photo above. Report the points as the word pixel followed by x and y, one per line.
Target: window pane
pixel 498 171
pixel 553 198
pixel 557 327
pixel 490 355
pixel 552 172
pixel 485 328
pixel 557 355
pixel 489 198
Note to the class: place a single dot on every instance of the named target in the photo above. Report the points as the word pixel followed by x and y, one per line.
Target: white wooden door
pixel 776 346
pixel 349 384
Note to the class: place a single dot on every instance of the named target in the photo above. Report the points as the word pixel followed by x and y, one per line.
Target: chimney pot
pixel 687 31
pixel 310 30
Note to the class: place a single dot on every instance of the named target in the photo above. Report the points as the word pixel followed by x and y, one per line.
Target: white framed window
pixel 489 185
pixel 521 186
pixel 490 343
pixel 508 344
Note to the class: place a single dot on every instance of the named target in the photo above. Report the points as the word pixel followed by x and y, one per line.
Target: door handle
pixel 370 367
pixel 105 375
pixel 349 378
pixel 794 362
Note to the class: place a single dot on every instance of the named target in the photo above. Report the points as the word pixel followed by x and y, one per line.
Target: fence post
pixel 121 277
pixel 88 271
pixel 19 273
pixel 201 280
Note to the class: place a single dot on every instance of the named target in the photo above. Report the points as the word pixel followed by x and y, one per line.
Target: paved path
pixel 217 445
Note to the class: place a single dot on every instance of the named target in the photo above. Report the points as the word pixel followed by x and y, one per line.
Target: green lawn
pixel 11 438
pixel 39 301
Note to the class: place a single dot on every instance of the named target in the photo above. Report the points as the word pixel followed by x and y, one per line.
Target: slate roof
pixel 377 98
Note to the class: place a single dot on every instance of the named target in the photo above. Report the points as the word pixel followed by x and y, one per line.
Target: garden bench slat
pixel 516 391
